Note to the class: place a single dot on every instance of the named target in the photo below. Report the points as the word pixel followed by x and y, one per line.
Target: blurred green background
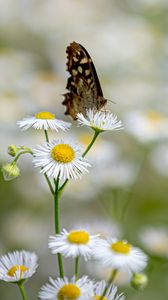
pixel 126 190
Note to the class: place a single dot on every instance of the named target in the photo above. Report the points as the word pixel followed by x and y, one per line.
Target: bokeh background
pixel 125 193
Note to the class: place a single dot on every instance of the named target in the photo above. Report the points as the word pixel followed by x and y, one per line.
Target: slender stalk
pixel 22 290
pixel 91 143
pixel 57 226
pixel 76 267
pixel 83 155
pixel 46 135
pixel 22 152
pixel 112 277
pixel 49 184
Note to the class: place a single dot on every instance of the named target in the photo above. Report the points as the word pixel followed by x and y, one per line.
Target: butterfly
pixel 84 89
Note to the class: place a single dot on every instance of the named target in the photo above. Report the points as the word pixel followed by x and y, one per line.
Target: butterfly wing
pixel 83 84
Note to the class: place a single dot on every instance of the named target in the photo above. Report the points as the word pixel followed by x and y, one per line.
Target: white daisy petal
pixel 74 243
pixel 62 157
pixel 111 293
pixel 120 255
pixel 99 120
pixel 43 120
pixel 82 289
pixel 17 266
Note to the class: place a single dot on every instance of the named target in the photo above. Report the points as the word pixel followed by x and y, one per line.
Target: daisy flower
pixel 43 120
pixel 18 265
pixel 111 293
pixel 73 243
pixel 62 288
pixel 120 255
pixel 61 157
pixel 147 126
pixel 155 240
pixel 99 120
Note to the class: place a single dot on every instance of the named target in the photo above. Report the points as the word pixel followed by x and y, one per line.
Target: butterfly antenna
pixel 111 101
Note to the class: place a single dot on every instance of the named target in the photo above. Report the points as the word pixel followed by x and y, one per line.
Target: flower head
pixel 74 243
pixel 155 240
pixel 61 157
pixel 139 281
pixel 43 120
pixel 18 265
pixel 120 255
pixel 12 150
pixel 111 293
pixel 147 126
pixel 62 288
pixel 10 171
pixel 99 120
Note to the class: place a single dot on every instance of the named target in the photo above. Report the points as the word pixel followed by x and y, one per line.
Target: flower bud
pixel 139 281
pixel 10 171
pixel 12 150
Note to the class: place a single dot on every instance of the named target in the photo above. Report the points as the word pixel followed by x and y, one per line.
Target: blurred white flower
pixel 155 240
pixel 103 152
pixel 73 243
pixel 120 255
pixel 159 159
pixel 99 226
pixel 95 270
pixel 62 288
pixel 17 266
pixel 118 174
pixel 111 293
pixel 147 126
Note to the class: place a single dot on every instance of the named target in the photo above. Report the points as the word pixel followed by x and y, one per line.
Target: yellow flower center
pixel 69 292
pixel 121 247
pixel 63 153
pixel 14 269
pixel 46 115
pixel 78 237
pixel 155 117
pixel 98 297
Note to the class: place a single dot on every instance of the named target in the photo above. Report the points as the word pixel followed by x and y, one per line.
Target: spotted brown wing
pixel 84 90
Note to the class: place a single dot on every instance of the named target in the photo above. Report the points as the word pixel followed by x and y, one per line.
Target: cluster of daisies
pixel 119 255
pixel 63 160
pixel 63 157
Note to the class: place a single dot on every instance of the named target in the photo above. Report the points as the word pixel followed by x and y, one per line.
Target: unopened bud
pixel 139 281
pixel 10 171
pixel 12 150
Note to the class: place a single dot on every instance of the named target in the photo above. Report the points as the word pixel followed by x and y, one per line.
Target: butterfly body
pixel 84 90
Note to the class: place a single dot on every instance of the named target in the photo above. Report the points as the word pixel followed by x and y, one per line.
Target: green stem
pixel 112 277
pixel 76 267
pixel 83 155
pixel 49 184
pixel 22 290
pixel 22 152
pixel 57 227
pixel 91 143
pixel 46 135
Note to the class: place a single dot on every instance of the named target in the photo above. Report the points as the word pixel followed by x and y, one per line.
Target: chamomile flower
pixel 62 288
pixel 73 243
pixel 111 293
pixel 18 265
pixel 43 120
pixel 155 240
pixel 61 157
pixel 99 120
pixel 147 126
pixel 120 255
